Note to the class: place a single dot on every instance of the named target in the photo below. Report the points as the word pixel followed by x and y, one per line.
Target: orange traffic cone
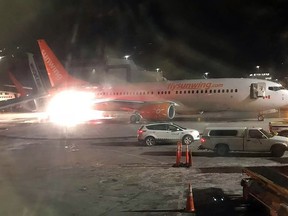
pixel 188 157
pixel 180 151
pixel 178 154
pixel 190 201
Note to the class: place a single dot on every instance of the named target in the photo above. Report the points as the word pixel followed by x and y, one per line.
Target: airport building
pixel 115 70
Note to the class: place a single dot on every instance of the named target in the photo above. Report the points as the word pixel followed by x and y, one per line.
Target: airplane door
pixel 256 141
pixel 257 90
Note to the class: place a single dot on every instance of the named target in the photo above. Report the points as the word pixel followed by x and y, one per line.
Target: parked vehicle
pixel 279 127
pixel 150 134
pixel 223 140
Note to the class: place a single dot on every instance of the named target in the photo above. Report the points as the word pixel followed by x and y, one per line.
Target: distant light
pixel 157 69
pixel 257 66
pixel 126 57
pixel 1 57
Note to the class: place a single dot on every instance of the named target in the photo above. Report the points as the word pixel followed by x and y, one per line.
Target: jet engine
pixel 158 111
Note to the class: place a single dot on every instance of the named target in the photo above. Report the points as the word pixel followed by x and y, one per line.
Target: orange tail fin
pixel 18 85
pixel 57 74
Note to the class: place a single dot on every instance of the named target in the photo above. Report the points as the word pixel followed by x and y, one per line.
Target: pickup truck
pixel 225 139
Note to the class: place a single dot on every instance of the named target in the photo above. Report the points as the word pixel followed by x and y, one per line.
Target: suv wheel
pixel 150 141
pixel 187 139
pixel 222 149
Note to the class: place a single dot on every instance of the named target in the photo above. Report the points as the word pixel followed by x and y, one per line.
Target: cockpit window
pixel 276 88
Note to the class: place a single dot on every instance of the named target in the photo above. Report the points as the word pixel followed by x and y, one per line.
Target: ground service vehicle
pixel 166 132
pixel 267 186
pixel 225 139
pixel 279 127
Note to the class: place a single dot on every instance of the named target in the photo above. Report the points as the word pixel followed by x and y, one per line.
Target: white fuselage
pixel 6 95
pixel 223 94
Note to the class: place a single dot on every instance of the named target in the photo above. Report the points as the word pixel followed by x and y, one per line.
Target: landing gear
pixel 136 117
pixel 260 117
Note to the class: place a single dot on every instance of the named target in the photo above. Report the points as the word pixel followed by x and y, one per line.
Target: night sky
pixel 183 38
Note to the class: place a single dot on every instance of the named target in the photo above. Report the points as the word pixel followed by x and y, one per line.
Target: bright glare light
pixel 71 107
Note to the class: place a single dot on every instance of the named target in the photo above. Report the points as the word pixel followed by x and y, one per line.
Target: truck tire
pixel 277 150
pixel 222 149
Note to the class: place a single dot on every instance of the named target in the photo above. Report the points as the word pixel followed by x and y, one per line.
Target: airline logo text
pixel 201 85
pixel 52 66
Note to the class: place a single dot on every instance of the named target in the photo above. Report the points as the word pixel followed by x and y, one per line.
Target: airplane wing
pixel 20 101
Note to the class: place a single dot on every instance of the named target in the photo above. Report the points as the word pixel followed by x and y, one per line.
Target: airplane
pixel 18 85
pixel 162 100
pixel 17 100
pixel 8 95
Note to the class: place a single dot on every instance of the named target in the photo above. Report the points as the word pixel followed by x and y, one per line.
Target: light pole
pixel 205 75
pixel 258 68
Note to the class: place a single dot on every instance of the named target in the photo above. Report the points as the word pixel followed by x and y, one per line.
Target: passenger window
pixel 223 133
pixel 160 127
pixel 172 128
pixel 255 134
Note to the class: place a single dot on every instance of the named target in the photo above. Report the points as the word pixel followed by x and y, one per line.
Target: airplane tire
pixel 222 149
pixel 133 118
pixel 260 117
pixel 138 118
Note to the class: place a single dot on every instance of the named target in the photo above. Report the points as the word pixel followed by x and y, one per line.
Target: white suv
pixel 166 132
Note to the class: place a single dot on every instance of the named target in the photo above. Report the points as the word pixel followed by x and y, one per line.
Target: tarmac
pixel 100 169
